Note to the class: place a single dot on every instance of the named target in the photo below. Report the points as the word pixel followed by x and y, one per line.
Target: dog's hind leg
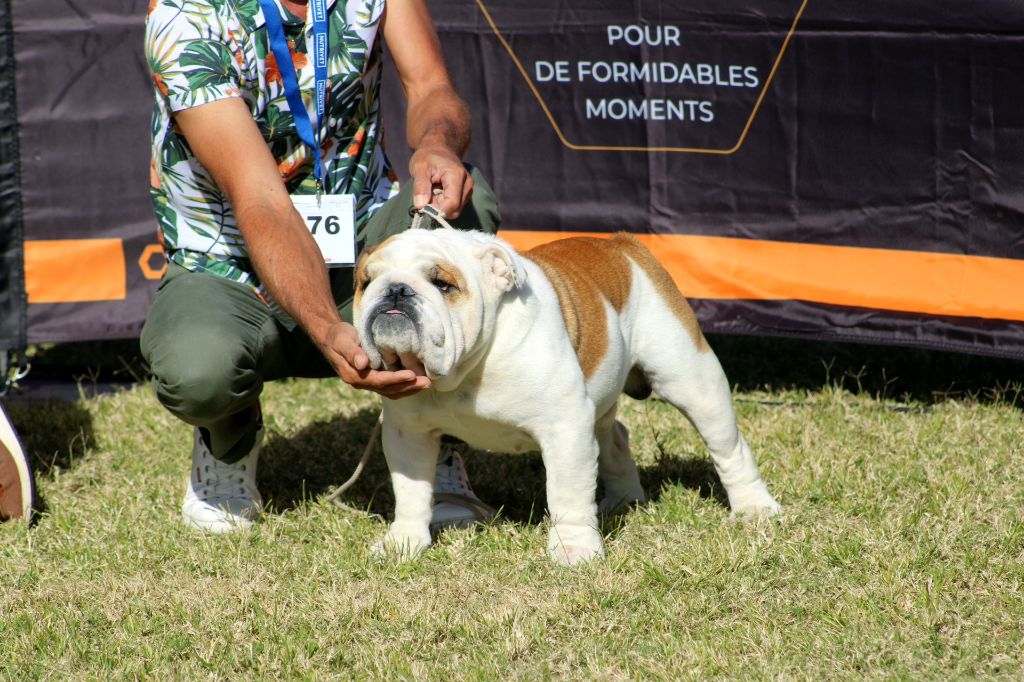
pixel 668 347
pixel 616 466
pixel 686 373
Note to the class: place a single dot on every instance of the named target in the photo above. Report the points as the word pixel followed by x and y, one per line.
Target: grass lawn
pixel 900 553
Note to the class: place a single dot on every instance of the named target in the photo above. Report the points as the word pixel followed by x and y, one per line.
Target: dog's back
pixel 587 272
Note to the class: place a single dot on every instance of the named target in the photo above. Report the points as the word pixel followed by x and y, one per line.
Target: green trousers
pixel 212 343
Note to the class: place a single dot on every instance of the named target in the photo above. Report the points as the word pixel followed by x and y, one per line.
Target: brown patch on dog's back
pixel 665 285
pixel 585 271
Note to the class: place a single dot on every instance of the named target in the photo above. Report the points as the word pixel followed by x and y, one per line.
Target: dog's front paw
pixel 569 545
pixel 753 500
pixel 401 545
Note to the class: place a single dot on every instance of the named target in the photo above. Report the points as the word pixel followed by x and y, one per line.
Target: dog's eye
pixel 364 282
pixel 443 286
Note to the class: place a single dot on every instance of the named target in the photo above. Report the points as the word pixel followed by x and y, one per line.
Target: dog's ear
pixel 502 266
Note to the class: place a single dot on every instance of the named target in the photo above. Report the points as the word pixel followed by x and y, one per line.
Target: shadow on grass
pixel 690 471
pixel 323 455
pixel 312 462
pixel 318 458
pixel 54 435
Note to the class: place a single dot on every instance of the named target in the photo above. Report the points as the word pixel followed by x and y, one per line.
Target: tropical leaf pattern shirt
pixel 200 51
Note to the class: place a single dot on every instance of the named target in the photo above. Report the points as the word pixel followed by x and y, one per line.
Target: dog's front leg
pixel 570 463
pixel 412 460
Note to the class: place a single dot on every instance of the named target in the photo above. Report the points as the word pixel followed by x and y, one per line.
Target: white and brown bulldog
pixel 531 351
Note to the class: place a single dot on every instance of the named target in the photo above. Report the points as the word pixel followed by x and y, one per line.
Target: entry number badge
pixel 332 225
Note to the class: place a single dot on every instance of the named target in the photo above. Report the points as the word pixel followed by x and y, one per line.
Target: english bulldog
pixel 529 352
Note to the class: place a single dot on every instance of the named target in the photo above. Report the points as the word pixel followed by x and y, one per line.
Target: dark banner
pixel 808 168
pixel 84 103
pixel 12 298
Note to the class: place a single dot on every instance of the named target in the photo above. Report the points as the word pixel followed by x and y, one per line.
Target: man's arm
pixel 438 122
pixel 228 143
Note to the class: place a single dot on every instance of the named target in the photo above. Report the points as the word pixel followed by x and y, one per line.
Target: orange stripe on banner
pixel 886 279
pixel 74 270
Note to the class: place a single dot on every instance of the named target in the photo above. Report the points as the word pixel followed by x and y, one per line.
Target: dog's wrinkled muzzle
pixel 394 328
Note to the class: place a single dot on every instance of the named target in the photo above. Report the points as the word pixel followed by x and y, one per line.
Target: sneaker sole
pixel 217 527
pixel 473 511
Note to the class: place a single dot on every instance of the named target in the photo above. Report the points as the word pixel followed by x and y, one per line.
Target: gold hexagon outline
pixel 689 150
pixel 147 254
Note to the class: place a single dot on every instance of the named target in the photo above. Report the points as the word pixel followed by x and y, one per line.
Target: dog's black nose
pixel 398 290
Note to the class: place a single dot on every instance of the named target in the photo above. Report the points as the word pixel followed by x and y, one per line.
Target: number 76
pixel 331 225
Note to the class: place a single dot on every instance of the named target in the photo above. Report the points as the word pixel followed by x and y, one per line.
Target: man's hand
pixel 342 350
pixel 437 166
pixel 437 120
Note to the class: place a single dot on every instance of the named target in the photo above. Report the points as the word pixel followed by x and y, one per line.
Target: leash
pixel 428 211
pixel 371 445
pixel 14 367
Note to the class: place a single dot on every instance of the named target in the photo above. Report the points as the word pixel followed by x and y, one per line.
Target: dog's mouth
pixel 397 337
pixel 389 322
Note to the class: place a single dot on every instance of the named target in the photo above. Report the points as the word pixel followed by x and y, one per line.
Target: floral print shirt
pixel 200 51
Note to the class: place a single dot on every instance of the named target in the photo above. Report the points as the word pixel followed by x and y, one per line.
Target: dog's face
pixel 424 298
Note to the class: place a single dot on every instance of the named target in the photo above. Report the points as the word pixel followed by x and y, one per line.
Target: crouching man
pixel 238 134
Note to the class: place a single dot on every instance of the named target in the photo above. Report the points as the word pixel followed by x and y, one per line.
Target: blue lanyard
pixel 279 46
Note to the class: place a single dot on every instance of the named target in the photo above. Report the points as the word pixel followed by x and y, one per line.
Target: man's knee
pixel 201 378
pixel 201 340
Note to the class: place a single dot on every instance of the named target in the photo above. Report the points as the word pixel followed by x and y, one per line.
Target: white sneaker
pixel 455 503
pixel 222 498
